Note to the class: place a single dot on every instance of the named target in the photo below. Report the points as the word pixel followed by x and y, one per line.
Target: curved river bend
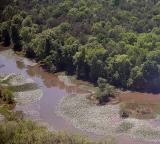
pixel 54 89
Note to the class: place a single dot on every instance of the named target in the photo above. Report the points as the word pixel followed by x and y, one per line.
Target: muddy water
pixel 53 90
pixel 43 111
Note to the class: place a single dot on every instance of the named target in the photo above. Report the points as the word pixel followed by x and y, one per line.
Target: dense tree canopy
pixel 117 40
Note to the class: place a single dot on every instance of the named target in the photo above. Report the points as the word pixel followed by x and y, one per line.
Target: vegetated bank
pixel 106 115
pixel 113 39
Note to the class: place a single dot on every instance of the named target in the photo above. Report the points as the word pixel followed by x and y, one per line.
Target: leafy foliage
pixel 105 92
pixel 117 40
pixel 6 95
pixel 26 132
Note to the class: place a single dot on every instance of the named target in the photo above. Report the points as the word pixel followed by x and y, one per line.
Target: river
pixel 44 110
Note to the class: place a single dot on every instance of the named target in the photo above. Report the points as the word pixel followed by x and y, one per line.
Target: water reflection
pixel 50 80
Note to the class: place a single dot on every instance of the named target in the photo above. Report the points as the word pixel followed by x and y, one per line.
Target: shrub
pixel 41 136
pixel 28 132
pixel 105 92
pixel 6 95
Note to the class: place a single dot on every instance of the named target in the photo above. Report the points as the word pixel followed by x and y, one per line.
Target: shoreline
pixel 75 123
pixel 83 118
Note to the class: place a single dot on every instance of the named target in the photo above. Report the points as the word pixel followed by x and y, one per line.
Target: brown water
pixel 43 111
pixel 53 90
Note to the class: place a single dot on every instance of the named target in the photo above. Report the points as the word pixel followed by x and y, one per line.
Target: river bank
pixel 56 89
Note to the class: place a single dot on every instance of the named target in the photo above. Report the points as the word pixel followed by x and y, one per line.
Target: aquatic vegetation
pixel 88 116
pixel 148 132
pixel 23 90
pixel 124 127
pixel 28 96
pixel 104 119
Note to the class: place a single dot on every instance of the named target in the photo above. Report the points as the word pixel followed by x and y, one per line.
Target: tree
pixel 6 37
pixel 150 70
pixel 71 45
pixel 96 69
pixel 47 47
pixel 17 20
pixel 154 56
pixel 9 12
pixel 82 69
pixel 85 58
pixel 116 2
pixel 115 39
pixel 136 79
pixel 105 91
pixel 5 33
pixel 27 21
pixel 119 68
pixel 16 38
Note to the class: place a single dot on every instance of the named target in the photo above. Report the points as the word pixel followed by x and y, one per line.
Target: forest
pixel 116 41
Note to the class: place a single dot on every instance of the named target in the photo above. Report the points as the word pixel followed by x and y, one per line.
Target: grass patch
pixel 24 87
pixel 139 110
pixel 157 109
